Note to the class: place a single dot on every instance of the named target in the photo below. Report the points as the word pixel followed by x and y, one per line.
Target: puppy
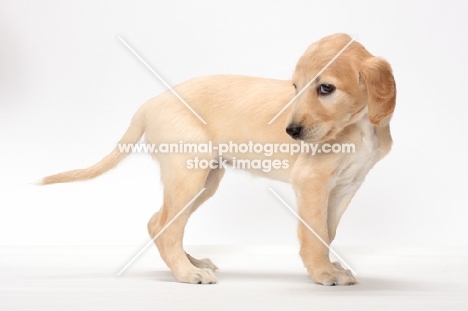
pixel 350 102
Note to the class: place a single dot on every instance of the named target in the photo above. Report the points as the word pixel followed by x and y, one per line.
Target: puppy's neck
pixel 360 128
pixel 368 133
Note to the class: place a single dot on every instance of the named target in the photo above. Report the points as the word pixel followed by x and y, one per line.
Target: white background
pixel 68 89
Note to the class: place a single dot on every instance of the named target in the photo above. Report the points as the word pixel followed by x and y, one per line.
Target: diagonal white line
pixel 161 79
pixel 160 232
pixel 313 79
pixel 312 230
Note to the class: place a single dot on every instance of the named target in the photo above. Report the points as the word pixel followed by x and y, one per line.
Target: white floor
pixel 250 278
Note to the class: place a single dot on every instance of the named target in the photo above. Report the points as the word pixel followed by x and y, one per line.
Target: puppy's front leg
pixel 312 190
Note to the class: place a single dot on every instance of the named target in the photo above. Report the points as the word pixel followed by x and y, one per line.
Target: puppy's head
pixel 354 84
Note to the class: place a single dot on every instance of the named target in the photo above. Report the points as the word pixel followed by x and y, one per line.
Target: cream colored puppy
pixel 350 102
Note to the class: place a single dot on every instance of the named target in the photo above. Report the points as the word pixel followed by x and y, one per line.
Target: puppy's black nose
pixel 294 131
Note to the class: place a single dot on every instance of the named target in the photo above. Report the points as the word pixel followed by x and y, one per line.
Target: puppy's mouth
pixel 316 136
pixel 329 135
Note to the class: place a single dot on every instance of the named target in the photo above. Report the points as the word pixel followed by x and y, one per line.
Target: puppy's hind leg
pixel 180 187
pixel 211 185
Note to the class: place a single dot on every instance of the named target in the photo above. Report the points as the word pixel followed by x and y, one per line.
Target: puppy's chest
pixel 355 166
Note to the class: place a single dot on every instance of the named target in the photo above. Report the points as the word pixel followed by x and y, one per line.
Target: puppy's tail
pixel 131 136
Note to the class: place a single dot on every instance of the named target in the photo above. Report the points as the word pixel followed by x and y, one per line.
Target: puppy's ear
pixel 377 75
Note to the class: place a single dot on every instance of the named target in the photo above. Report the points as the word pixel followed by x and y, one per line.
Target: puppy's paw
pixel 204 263
pixel 337 275
pixel 199 276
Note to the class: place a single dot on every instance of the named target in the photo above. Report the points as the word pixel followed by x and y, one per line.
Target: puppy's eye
pixel 325 89
pixel 295 86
